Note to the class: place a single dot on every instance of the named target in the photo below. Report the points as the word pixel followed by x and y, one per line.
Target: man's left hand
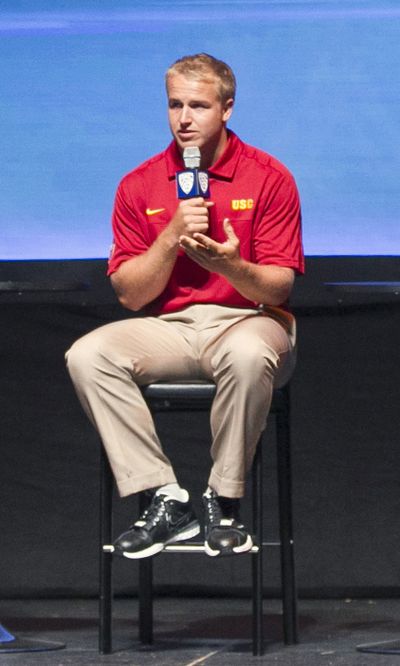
pixel 208 253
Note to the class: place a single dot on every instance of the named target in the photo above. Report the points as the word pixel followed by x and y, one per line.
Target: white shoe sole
pixel 189 532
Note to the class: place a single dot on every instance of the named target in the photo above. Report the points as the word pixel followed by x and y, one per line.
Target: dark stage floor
pixel 213 632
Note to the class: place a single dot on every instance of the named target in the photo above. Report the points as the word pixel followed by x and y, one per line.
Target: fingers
pixel 192 220
pixel 203 240
pixel 196 202
pixel 192 216
pixel 195 207
pixel 198 242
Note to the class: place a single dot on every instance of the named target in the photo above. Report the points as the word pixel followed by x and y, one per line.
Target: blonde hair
pixel 205 67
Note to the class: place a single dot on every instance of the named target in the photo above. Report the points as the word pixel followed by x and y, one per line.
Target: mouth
pixel 186 134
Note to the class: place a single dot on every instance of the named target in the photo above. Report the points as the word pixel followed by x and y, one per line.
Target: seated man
pixel 211 277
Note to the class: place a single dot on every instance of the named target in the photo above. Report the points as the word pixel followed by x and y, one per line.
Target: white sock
pixel 174 491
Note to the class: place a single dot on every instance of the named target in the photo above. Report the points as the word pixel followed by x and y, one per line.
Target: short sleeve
pixel 129 236
pixel 277 234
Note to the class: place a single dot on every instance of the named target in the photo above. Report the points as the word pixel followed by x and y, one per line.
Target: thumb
pixel 229 230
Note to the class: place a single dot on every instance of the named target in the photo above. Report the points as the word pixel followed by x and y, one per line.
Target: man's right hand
pixel 139 280
pixel 190 217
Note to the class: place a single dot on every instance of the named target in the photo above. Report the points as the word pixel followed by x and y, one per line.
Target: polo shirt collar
pixel 224 167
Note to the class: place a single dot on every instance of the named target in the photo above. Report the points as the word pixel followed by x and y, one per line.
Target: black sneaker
pixel 164 521
pixel 224 532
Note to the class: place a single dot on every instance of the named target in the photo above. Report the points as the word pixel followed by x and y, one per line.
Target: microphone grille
pixel 191 157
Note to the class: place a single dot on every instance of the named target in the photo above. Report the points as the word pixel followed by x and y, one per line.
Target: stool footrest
pixel 182 548
pixel 195 547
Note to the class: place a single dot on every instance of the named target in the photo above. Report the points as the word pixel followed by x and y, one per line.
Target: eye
pixel 174 104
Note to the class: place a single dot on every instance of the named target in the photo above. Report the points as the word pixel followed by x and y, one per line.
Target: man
pixel 212 278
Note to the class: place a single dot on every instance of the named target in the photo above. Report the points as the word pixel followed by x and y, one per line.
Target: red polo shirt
pixel 255 191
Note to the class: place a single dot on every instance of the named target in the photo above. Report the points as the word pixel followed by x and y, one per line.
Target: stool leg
pixel 257 558
pixel 289 596
pixel 105 601
pixel 146 601
pixel 145 590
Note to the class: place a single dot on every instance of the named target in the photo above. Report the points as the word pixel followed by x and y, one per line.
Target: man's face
pixel 196 115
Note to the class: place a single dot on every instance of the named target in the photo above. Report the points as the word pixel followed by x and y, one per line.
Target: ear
pixel 227 110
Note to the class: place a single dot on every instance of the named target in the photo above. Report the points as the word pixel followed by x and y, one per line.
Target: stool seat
pixel 197 395
pixel 182 396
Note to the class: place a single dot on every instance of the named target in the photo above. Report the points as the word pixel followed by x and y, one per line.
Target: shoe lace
pixel 221 507
pixel 213 510
pixel 153 513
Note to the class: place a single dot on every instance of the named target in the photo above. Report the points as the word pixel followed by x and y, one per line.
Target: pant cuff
pixel 138 483
pixel 226 487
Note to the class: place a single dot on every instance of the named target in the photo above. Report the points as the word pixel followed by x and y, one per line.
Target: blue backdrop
pixel 82 102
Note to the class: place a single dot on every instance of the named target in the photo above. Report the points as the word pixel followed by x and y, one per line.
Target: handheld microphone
pixel 192 182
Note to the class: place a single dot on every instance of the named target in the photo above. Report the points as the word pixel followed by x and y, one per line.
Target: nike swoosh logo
pixel 154 211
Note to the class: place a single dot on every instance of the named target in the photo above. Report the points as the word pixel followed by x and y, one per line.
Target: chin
pixel 190 141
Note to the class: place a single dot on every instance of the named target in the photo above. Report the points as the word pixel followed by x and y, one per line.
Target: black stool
pixel 199 396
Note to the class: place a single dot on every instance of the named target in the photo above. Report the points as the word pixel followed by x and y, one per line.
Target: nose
pixel 185 116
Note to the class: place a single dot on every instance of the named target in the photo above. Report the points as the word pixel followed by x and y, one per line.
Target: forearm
pixel 139 280
pixel 266 284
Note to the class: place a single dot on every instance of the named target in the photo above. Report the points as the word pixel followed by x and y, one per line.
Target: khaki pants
pixel 245 352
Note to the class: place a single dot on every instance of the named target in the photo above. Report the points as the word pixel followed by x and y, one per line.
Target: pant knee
pixel 81 360
pixel 252 363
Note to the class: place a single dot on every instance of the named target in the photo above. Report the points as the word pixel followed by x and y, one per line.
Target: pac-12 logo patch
pixel 186 181
pixel 203 181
